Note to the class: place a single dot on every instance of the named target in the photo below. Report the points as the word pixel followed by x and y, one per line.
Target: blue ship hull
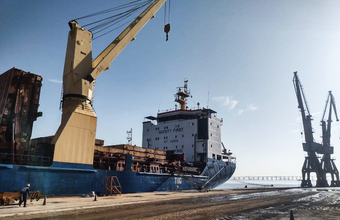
pixel 76 179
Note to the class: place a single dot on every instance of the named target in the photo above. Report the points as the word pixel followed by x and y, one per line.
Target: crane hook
pixel 167 30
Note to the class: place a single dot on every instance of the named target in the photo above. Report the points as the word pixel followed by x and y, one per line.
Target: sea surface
pixel 259 183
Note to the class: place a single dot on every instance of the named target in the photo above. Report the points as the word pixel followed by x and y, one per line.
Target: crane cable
pixel 115 17
pixel 167 20
pixel 114 21
pixel 109 10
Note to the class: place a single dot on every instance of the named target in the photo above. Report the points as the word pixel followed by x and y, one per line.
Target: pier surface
pixel 259 203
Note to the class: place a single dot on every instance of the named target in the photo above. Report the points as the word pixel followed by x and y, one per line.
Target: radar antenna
pixel 182 94
pixel 129 137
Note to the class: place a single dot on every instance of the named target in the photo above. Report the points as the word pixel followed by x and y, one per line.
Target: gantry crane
pixel 327 163
pixel 311 163
pixel 75 138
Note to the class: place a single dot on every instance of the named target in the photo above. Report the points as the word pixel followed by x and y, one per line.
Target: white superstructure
pixel 196 133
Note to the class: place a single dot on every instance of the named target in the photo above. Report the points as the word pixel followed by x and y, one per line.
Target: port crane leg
pixel 306 172
pixel 335 173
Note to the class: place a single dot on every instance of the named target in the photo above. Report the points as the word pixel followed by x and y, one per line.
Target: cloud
pixel 240 112
pixel 297 131
pixel 55 81
pixel 252 107
pixel 226 101
pixel 316 113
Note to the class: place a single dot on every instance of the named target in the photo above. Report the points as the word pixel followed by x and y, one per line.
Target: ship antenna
pixel 129 137
pixel 208 95
pixel 182 94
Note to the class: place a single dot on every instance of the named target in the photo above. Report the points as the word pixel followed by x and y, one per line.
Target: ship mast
pixel 182 94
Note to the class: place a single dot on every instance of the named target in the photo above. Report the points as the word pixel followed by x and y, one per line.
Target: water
pixel 259 183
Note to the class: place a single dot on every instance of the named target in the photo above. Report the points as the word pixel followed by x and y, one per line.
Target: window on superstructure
pixel 211 145
pixel 192 135
pixel 218 126
pixel 182 135
pixel 175 136
pixel 176 147
pixel 213 155
pixel 219 157
pixel 147 129
pixel 192 146
pixel 182 146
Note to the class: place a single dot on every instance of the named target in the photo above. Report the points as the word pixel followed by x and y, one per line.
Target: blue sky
pixel 239 55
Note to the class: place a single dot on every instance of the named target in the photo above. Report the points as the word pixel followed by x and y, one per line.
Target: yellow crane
pixel 75 138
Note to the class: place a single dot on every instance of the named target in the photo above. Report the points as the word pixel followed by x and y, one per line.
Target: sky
pixel 239 58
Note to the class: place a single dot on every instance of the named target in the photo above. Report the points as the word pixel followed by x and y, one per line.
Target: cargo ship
pixel 181 149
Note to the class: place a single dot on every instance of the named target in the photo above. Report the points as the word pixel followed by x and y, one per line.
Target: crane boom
pixel 306 119
pixel 102 62
pixel 326 129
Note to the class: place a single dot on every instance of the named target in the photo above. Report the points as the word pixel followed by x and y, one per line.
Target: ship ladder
pixel 111 185
pixel 213 177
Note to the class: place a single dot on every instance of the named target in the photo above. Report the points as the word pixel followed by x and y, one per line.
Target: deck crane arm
pixel 75 139
pixel 80 70
pixel 102 62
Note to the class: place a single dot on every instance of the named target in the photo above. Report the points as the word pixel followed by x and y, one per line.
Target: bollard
pixel 95 197
pixel 44 203
pixel 291 215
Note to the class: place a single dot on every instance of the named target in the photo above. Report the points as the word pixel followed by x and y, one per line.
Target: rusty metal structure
pixel 7 198
pixel 111 185
pixel 125 157
pixel 19 102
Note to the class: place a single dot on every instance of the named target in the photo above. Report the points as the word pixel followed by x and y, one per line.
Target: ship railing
pixel 229 159
pixel 175 109
pixel 24 159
